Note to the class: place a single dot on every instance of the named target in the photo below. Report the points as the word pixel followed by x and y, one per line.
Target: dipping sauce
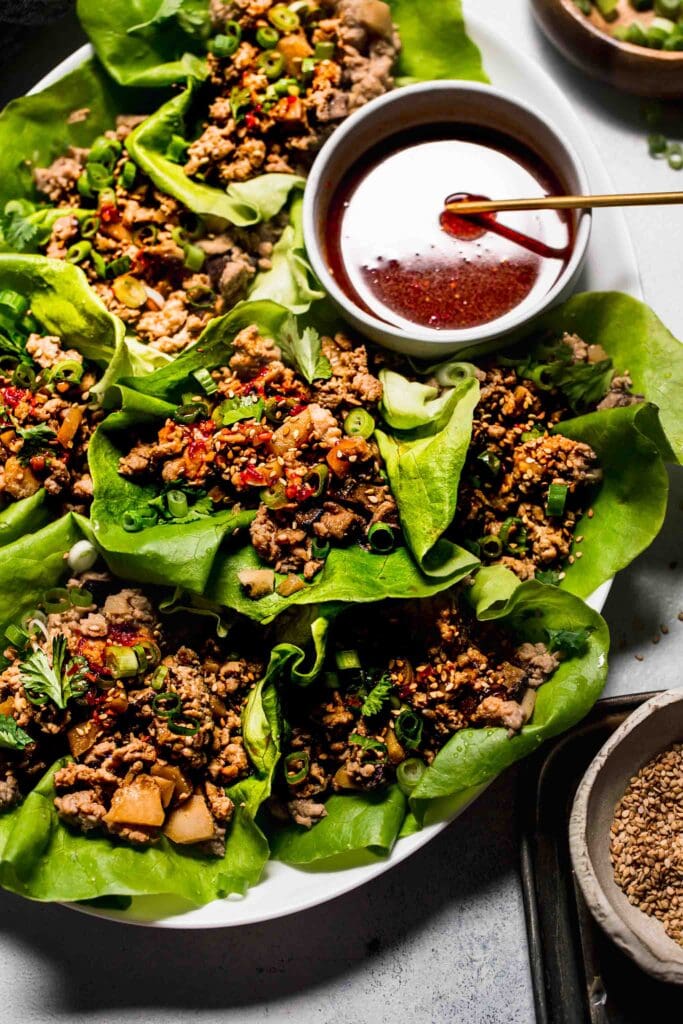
pixel 397 254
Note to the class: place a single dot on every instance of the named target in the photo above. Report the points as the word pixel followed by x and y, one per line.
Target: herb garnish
pixel 572 642
pixel 59 682
pixel 304 351
pixel 377 698
pixel 12 737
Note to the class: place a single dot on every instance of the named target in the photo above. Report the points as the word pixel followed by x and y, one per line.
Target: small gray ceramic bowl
pixel 414 106
pixel 656 725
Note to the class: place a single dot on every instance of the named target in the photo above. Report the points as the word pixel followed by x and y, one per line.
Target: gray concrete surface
pixel 441 938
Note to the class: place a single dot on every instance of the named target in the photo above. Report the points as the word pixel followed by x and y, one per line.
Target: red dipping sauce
pixel 398 255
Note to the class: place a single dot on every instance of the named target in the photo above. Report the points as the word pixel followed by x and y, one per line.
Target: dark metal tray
pixel 579 975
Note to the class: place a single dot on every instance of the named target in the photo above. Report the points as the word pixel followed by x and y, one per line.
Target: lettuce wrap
pixel 62 305
pixel 191 554
pixel 44 859
pixel 359 827
pixel 160 42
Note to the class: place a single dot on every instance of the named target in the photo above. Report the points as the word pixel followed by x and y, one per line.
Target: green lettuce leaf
pixel 144 43
pixel 357 829
pixel 434 42
pixel 31 565
pixel 290 281
pixel 22 516
pixel 242 203
pixel 44 860
pixel 637 340
pixel 424 462
pixel 473 757
pixel 630 504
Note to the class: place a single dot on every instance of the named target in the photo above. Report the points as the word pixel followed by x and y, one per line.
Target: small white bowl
pixel 435 103
pixel 654 727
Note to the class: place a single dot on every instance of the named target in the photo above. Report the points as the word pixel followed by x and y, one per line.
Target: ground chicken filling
pixel 154 264
pixel 46 420
pixel 300 453
pixel 523 489
pixel 421 672
pixel 284 76
pixel 153 726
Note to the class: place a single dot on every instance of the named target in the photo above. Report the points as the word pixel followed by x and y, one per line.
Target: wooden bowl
pixel 588 43
pixel 654 727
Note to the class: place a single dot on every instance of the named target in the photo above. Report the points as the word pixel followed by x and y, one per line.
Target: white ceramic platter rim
pixel 286 890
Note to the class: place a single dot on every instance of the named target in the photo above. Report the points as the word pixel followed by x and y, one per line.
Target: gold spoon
pixel 471 206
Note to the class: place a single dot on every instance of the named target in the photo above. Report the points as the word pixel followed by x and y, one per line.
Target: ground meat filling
pixel 504 506
pixel 153 725
pixel 437 671
pixel 291 80
pixel 153 264
pixel 46 421
pixel 267 439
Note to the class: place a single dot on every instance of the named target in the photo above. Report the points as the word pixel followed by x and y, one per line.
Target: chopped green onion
pixel 274 497
pixel 24 376
pixel 409 773
pixel 78 252
pixel 166 704
pixel 272 64
pixel 284 86
pixel 121 265
pixel 317 479
pixel 190 412
pixel 177 726
pixel 80 597
pixel 82 556
pixel 532 435
pixel 297 766
pixel 347 661
pixel 147 653
pixel 107 197
pixel 359 423
pixel 67 370
pixel 200 296
pixel 104 151
pixel 320 549
pixel 452 373
pixel 177 504
pixel 490 545
pixel 13 304
pixel 176 150
pixel 90 226
pixel 121 661
pixel 381 538
pixel 284 19
pixel 133 522
pixel 205 380
pixel 557 499
pixel 515 527
pixel 223 45
pixel 408 728
pixel 56 600
pixel 158 678
pixel 99 176
pixel 657 145
pixel 145 233
pixel 180 236
pixel 308 66
pixel 324 51
pixel 83 186
pixel 542 376
pixel 267 37
pixel 194 257
pixel 130 291
pixel 675 156
pixel 98 263
pixel 490 460
pixel 127 176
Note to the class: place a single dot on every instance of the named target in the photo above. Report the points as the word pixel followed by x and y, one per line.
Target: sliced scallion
pixel 359 423
pixel 557 499
pixel 409 773
pixel 381 538
pixel 297 765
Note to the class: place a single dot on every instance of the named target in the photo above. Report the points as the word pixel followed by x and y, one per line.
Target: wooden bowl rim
pixel 643 52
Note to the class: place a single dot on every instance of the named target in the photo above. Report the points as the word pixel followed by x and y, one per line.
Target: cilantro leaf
pixel 571 642
pixel 240 100
pixel 304 351
pixel 550 577
pixel 377 698
pixel 12 737
pixel 18 230
pixel 36 439
pixel 166 9
pixel 367 742
pixel 59 682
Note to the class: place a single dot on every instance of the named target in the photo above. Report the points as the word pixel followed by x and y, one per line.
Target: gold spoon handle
pixel 470 206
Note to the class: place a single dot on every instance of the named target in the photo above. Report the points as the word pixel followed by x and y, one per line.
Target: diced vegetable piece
pixel 290 586
pixel 608 8
pixel 258 583
pixel 183 788
pixel 166 788
pixel 394 749
pixel 19 481
pixel 190 823
pixel 82 737
pixel 292 434
pixel 69 426
pixel 137 804
pixel 338 457
pixel 293 50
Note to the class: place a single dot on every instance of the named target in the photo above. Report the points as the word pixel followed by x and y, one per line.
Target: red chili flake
pixel 125 636
pixel 298 408
pixel 109 214
pixel 37 463
pixel 250 120
pixel 296 491
pixel 252 477
pixel 291 100
pixel 13 396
